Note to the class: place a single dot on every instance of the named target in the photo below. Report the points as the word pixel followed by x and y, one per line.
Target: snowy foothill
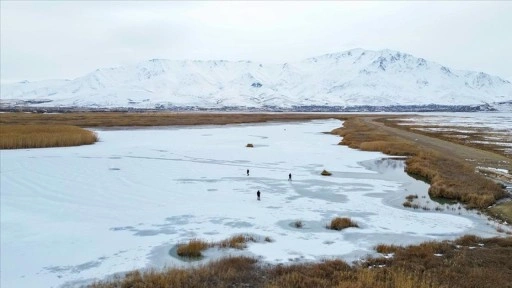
pixel 73 215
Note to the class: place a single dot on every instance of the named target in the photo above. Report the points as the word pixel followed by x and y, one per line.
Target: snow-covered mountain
pixel 352 78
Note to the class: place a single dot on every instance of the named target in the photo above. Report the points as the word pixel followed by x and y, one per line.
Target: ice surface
pixel 69 215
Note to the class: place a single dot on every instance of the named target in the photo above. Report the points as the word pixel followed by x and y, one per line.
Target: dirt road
pixel 472 156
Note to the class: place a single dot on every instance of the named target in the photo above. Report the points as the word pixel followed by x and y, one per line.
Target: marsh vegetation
pixel 469 261
pixel 43 136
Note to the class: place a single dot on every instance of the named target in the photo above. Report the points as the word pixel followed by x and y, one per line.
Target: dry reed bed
pixel 194 247
pixel 128 119
pixel 466 262
pixel 40 136
pixel 55 130
pixel 448 177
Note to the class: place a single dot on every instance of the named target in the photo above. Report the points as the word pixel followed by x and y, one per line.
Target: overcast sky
pixel 67 39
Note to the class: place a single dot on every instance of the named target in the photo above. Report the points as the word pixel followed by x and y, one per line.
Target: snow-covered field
pixel 69 215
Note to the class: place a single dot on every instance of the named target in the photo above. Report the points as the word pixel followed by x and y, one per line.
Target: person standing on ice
pixel 290 177
pixel 247 172
pixel 258 194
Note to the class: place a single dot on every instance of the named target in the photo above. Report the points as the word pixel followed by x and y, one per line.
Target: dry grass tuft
pixel 340 223
pixel 193 248
pixel 386 249
pixel 227 272
pixel 468 240
pixel 431 264
pixel 236 242
pixel 326 173
pixel 42 136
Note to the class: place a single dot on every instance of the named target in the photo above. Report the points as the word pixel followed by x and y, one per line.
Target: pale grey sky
pixel 67 39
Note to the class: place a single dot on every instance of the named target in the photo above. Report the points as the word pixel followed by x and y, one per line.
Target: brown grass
pixel 340 223
pixel 468 240
pixel 449 178
pixel 236 242
pixel 502 211
pixel 389 147
pixel 133 119
pixel 193 248
pixel 455 180
pixel 386 249
pixel 41 136
pixel 481 263
pixel 227 272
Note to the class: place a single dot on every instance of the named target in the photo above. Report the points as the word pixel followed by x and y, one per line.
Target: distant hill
pixel 352 80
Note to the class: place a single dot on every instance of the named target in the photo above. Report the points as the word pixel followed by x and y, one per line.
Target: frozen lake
pixel 69 215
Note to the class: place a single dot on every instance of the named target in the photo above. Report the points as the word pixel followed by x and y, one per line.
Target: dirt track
pixel 473 156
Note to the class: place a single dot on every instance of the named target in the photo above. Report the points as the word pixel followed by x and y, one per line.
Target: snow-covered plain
pixel 69 215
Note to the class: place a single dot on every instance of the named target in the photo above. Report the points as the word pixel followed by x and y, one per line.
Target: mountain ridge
pixel 351 78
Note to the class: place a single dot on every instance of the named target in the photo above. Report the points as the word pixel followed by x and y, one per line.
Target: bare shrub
pixel 411 197
pixel 407 204
pixel 249 145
